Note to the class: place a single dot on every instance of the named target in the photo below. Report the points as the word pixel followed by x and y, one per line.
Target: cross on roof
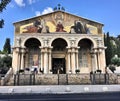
pixel 59 7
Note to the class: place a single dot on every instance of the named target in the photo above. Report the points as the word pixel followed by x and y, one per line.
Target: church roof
pixel 56 12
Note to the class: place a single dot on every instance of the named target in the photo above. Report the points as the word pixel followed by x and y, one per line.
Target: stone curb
pixel 58 89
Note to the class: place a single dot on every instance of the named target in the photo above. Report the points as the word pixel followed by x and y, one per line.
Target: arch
pixel 89 38
pixel 59 55
pixel 32 42
pixel 60 37
pixel 24 41
pixel 59 44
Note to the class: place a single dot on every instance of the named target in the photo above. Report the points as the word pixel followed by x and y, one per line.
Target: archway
pixel 59 56
pixel 84 55
pixel 32 58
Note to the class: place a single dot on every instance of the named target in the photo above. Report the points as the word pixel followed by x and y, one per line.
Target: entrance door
pixel 58 65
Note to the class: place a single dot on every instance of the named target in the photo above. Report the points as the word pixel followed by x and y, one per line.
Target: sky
pixel 106 12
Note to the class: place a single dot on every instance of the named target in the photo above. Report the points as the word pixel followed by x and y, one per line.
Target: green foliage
pixel 108 51
pixel 115 61
pixel 3 4
pixel 7 46
pixel 5 63
pixel 1 23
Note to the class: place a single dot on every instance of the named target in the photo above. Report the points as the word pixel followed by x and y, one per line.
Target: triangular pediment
pixel 57 21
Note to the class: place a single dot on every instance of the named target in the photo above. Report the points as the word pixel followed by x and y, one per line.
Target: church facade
pixel 58 42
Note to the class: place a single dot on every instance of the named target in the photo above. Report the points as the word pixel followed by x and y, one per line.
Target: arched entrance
pixel 32 58
pixel 84 55
pixel 59 56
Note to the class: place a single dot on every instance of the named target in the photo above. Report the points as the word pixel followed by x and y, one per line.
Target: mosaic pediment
pixel 58 21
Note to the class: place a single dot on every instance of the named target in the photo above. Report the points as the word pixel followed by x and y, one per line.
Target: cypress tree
pixel 108 51
pixel 7 46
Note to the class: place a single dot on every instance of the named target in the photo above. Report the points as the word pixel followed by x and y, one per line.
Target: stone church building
pixel 58 42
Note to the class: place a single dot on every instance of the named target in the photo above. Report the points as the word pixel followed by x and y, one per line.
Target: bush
pixel 115 61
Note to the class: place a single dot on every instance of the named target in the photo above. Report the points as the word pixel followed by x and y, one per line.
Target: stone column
pixel 18 58
pixel 98 51
pixel 96 62
pixel 50 68
pixel 45 61
pixel 68 60
pixel 99 58
pixel 77 67
pixel 92 61
pixel 22 58
pixel 42 59
pixel 73 60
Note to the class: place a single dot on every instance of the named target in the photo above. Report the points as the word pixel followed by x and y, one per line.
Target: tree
pixel 3 4
pixel 108 51
pixel 115 60
pixel 5 64
pixel 118 45
pixel 7 46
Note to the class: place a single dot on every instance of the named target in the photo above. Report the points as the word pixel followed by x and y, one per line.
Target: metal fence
pixel 61 79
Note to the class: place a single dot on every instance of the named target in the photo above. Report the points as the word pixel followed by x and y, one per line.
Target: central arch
pixel 59 56
pixel 32 58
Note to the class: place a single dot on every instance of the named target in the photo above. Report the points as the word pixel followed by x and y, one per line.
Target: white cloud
pixel 20 3
pixel 31 1
pixel 37 13
pixel 45 11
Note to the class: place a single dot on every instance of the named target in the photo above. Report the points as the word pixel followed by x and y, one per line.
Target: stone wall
pixel 63 79
pixel 79 79
pixel 52 79
pixel 46 79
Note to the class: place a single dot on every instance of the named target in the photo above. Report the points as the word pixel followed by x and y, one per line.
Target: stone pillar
pixel 77 67
pixel 95 59
pixel 99 57
pixel 103 60
pixel 95 62
pixel 50 68
pixel 18 58
pixel 15 59
pixel 45 61
pixel 42 59
pixel 22 58
pixel 92 61
pixel 68 64
pixel 73 60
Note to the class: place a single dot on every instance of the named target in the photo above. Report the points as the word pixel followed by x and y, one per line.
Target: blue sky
pixel 104 11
